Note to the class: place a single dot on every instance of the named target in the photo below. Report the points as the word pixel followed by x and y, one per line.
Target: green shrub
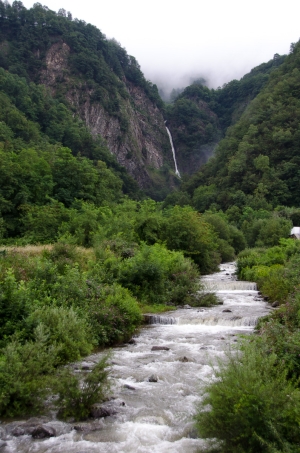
pixel 207 299
pixel 66 330
pixel 186 231
pixel 275 285
pixel 112 312
pixel 250 407
pixel 14 306
pixel 24 375
pixel 158 275
pixel 77 393
pixel 226 251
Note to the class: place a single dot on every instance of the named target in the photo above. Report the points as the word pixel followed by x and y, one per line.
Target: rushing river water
pixel 157 417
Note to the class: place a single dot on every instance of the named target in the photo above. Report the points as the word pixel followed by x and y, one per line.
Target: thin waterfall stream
pixel 156 379
pixel 173 151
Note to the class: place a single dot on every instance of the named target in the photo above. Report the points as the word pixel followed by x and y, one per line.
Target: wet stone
pixel 2 444
pixel 153 378
pixel 18 431
pixel 98 411
pixel 129 387
pixel 43 431
pixel 183 359
pixel 160 348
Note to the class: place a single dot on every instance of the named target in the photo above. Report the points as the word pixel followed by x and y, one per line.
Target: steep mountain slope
pixel 199 117
pixel 94 77
pixel 258 162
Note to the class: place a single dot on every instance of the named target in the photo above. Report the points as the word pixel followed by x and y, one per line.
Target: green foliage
pixel 159 276
pixel 112 312
pixel 186 231
pixel 14 298
pixel 252 406
pixel 199 117
pixel 276 270
pixel 256 164
pixel 69 332
pixel 77 393
pixel 24 375
pixel 41 223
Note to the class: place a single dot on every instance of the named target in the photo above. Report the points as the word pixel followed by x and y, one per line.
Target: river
pixel 157 417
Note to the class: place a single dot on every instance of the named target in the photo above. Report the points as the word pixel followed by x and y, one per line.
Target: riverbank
pixel 254 402
pixel 157 380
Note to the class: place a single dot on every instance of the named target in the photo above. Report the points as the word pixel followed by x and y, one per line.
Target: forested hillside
pixel 199 116
pixel 257 163
pixel 95 79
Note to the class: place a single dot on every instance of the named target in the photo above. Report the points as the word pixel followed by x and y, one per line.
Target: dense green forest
pixel 256 164
pixel 85 252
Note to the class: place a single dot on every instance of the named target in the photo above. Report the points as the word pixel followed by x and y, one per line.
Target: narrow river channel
pixel 157 379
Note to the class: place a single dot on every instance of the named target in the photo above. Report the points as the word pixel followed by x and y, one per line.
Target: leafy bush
pixel 158 275
pixel 77 393
pixel 70 333
pixel 14 307
pixel 112 312
pixel 24 375
pixel 226 251
pixel 186 231
pixel 251 407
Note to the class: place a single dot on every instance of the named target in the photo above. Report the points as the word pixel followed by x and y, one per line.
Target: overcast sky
pixel 175 40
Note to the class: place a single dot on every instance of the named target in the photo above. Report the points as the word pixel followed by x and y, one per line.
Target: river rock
pixel 2 444
pixel 43 431
pixel 153 378
pixel 275 304
pixel 132 341
pixel 187 307
pixel 160 348
pixel 98 411
pixel 18 431
pixel 129 387
pixel 227 310
pixel 183 359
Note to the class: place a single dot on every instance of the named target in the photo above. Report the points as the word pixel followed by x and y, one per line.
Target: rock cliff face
pixel 137 136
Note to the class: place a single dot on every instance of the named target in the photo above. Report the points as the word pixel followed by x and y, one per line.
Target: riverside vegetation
pixel 84 253
pixel 255 400
pixel 89 289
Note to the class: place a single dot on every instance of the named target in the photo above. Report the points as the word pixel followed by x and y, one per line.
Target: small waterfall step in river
pixel 157 417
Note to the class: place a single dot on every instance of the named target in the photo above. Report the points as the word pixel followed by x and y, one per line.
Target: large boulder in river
pixel 43 431
pixel 98 411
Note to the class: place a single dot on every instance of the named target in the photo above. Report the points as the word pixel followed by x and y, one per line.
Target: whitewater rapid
pixel 157 417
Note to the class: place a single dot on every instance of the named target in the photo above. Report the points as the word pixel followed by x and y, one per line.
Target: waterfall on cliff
pixel 173 151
